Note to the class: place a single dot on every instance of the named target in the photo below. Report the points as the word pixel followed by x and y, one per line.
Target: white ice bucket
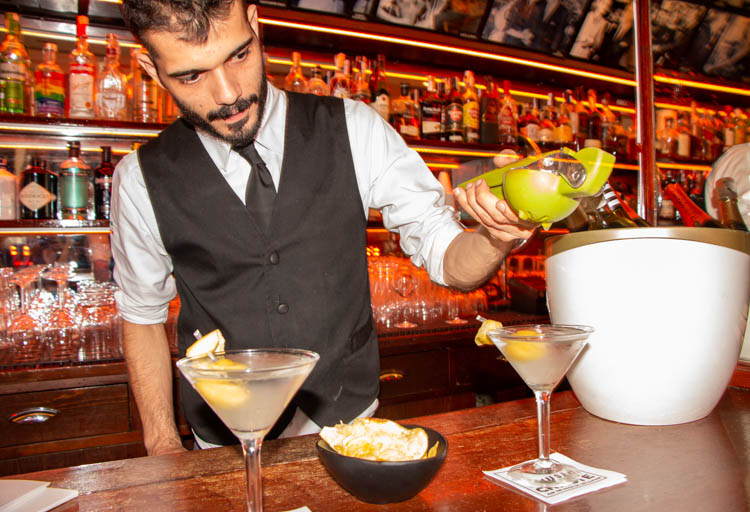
pixel 669 308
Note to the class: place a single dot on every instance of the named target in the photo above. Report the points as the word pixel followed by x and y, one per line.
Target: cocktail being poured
pixel 542 355
pixel 248 390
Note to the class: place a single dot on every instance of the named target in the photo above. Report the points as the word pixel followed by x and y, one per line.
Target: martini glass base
pixel 543 472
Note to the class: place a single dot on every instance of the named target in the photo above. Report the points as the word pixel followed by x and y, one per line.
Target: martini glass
pixel 248 390
pixel 542 355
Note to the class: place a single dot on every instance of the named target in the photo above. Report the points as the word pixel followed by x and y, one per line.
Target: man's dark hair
pixel 190 18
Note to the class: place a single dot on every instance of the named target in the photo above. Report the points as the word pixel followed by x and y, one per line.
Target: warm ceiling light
pixel 75 131
pixel 52 147
pixel 441 166
pixel 457 152
pixel 71 39
pixel 702 85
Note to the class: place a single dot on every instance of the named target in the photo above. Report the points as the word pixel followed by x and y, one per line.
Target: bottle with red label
pixel 489 112
pixel 81 75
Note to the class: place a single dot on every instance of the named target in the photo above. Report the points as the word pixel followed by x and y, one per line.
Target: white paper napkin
pixel 592 479
pixel 31 496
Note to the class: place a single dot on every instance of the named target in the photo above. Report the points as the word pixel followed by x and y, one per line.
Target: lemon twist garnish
pixel 487 325
pixel 524 350
pixel 222 393
pixel 211 343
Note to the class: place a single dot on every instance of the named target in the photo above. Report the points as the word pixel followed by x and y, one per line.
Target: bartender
pixel 253 208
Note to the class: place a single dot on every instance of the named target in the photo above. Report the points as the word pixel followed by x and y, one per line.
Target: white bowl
pixel 668 307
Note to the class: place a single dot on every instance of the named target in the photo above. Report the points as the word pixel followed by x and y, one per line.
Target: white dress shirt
pixel 391 178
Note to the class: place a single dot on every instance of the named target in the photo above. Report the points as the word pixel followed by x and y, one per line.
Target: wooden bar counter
pixel 701 466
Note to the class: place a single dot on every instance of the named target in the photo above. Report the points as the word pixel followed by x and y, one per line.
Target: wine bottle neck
pixel 691 214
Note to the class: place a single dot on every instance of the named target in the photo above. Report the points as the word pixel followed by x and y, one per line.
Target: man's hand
pixel 492 213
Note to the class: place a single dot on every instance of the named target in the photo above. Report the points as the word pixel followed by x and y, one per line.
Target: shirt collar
pixel 270 133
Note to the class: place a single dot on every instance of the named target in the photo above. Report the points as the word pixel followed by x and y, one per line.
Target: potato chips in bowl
pixel 378 439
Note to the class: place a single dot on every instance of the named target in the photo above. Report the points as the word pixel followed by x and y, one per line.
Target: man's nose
pixel 226 88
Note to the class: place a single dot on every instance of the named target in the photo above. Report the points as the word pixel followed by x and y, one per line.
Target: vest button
pixel 282 308
pixel 273 258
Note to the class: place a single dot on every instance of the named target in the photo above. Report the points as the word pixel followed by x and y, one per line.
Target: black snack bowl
pixel 382 481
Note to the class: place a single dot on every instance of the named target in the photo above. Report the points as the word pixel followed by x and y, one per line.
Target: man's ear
pixel 252 17
pixel 145 61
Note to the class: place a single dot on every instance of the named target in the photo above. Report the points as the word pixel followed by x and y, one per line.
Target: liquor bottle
pixel 612 213
pixel 668 139
pixel 432 111
pixel 528 124
pixel 295 80
pixel 145 92
pixel 38 195
pixel 683 135
pixel 14 69
pixel 443 92
pixel 470 109
pixel 582 115
pixel 103 183
pixel 111 85
pixel 696 190
pixel 49 84
pixel 594 125
pixel 698 149
pixel 454 113
pixel 729 212
pixel 565 130
pixel 690 213
pixel 168 111
pixel 489 114
pixel 74 184
pixel 569 107
pixel 730 127
pixel 361 85
pixel 381 98
pixel 609 126
pixel 340 84
pixel 8 192
pixel 717 137
pixel 316 85
pixel 548 125
pixel 507 129
pixel 81 74
pixel 404 116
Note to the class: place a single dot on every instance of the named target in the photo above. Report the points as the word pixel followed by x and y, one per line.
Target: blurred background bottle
pixel 49 84
pixel 145 92
pixel 103 184
pixel 38 196
pixel 15 70
pixel 74 184
pixel 8 192
pixel 295 81
pixel 316 85
pixel 470 109
pixel 381 98
pixel 81 74
pixel 112 86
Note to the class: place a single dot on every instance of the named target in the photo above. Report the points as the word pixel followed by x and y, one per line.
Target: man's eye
pixel 190 79
pixel 242 54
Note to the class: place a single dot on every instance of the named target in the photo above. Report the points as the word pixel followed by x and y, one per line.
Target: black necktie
pixel 260 193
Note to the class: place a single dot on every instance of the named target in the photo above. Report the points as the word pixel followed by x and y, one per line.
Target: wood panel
pixel 81 412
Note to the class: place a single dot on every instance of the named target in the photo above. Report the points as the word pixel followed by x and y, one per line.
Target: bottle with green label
pixel 14 69
pixel 74 184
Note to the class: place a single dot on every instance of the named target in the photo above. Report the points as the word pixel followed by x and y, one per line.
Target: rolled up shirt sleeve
pixel 395 180
pixel 143 269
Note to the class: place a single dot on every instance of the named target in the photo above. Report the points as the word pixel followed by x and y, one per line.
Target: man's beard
pixel 239 134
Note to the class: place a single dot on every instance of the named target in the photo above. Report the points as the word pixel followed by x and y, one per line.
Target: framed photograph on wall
pixel 606 34
pixel 673 24
pixel 461 17
pixel 728 57
pixel 543 25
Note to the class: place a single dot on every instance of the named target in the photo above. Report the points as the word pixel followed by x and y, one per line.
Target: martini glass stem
pixel 542 413
pixel 251 454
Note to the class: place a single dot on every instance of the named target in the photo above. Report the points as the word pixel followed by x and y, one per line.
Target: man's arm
pixel 473 256
pixel 150 369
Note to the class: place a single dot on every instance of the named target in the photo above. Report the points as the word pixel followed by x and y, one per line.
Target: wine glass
pixel 25 332
pixel 404 284
pixel 454 308
pixel 248 390
pixel 542 355
pixel 61 333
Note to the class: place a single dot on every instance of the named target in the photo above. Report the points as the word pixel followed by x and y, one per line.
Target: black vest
pixel 304 284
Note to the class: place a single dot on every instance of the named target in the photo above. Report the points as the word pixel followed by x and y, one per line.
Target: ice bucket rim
pixel 729 238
